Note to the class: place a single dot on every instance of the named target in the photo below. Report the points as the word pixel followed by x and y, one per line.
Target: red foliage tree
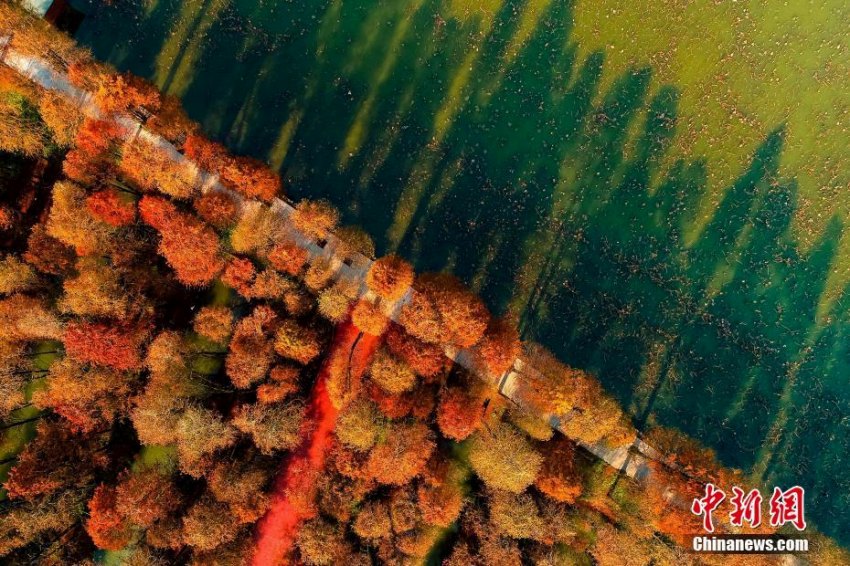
pixel 499 347
pixel 156 211
pixel 459 414
pixel 108 528
pixel 426 359
pixel 208 154
pixel 189 246
pixel 251 177
pixel 107 205
pixel 218 208
pixel 117 345
pixel 288 257
pixel 393 406
pixel 95 150
pixel 239 274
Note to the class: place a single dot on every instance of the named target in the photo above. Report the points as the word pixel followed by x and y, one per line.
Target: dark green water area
pixel 584 173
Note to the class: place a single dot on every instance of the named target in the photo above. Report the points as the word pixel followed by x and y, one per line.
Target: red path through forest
pixel 277 530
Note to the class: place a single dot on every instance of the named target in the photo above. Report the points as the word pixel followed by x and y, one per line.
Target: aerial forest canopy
pixel 196 370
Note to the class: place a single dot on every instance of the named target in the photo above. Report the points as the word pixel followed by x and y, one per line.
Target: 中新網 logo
pixel 785 507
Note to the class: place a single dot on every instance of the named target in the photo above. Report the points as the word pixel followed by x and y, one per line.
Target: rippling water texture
pixel 657 190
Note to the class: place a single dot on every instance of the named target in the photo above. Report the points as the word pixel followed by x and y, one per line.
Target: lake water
pixel 656 192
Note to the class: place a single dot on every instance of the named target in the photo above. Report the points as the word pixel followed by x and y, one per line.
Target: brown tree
pixel 315 218
pixel 96 291
pixel 240 483
pixel 201 432
pixel 107 527
pixel 269 284
pixel 321 543
pixel 62 117
pixel 403 454
pixel 391 374
pixel 88 398
pixel 34 36
pixel 515 515
pixel 23 132
pixel 152 168
pixel 360 425
pixel 71 222
pixel 251 349
pixel 47 254
pixel 369 318
pixel 320 273
pixel 218 208
pixel 24 318
pixel 31 521
pixel 503 459
pixel 440 497
pixel 209 524
pixel 146 495
pixel 531 423
pixel 296 342
pixel 258 228
pixel 390 277
pixel 54 460
pixel 16 276
pixel 373 521
pixel 272 427
pixel 334 304
pixel 215 323
pixel 559 478
pixel 156 413
pixel 352 240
